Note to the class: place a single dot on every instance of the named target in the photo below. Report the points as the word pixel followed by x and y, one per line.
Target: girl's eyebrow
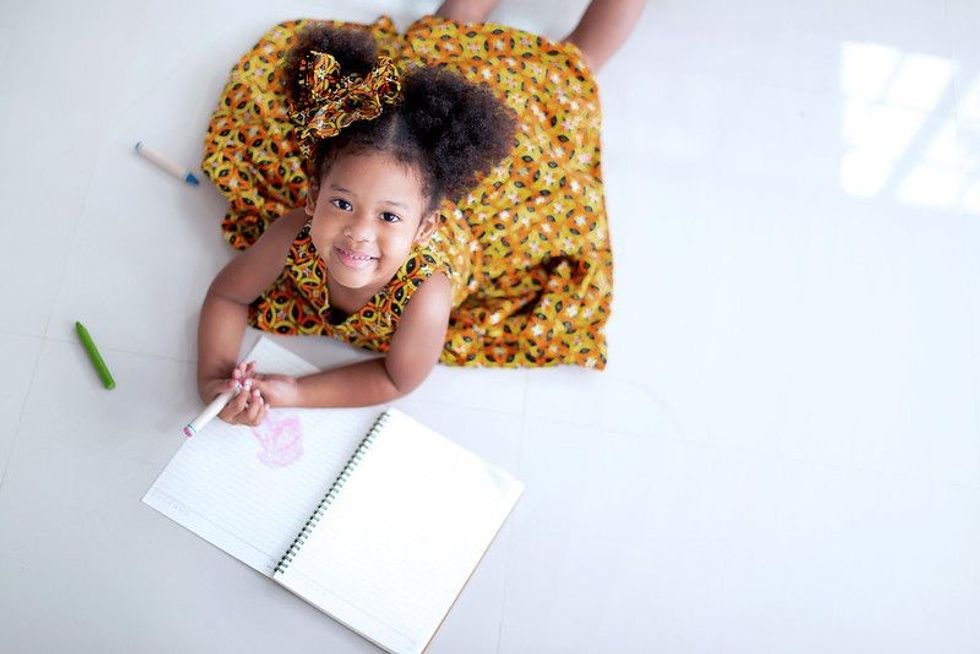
pixel 342 189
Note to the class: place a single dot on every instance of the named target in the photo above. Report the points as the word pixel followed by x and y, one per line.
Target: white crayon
pixel 210 411
pixel 165 164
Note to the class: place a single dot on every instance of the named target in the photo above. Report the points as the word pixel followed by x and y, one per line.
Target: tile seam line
pixel 510 534
pixel 957 97
pixel 20 417
pixel 102 348
pixel 74 237
pixel 775 458
pixel 51 308
pixel 13 332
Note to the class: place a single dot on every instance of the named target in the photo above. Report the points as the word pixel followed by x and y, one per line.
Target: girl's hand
pixel 278 390
pixel 243 371
pixel 246 408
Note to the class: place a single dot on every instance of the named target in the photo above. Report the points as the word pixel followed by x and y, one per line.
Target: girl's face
pixel 367 215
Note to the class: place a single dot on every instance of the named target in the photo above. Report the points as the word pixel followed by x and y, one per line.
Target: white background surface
pixel 782 455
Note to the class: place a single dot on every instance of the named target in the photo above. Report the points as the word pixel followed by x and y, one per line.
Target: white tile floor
pixel 783 455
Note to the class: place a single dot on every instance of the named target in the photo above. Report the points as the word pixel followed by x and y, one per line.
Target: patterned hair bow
pixel 333 102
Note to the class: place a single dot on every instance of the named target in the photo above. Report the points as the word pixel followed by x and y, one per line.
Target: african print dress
pixel 527 251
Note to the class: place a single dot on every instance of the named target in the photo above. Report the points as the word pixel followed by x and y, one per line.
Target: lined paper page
pixel 249 491
pixel 396 546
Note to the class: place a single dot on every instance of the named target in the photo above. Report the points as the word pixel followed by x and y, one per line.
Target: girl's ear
pixel 427 227
pixel 311 194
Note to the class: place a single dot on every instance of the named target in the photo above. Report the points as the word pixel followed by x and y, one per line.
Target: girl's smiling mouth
pixel 351 259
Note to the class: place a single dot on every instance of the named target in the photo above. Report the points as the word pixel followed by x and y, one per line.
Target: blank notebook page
pixel 400 538
pixel 250 490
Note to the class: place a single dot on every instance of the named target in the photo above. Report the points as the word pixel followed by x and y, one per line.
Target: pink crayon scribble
pixel 281 442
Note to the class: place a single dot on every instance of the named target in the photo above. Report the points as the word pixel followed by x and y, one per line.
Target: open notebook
pixel 370 516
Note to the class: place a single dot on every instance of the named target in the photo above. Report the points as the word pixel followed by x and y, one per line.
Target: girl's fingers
pixel 217 387
pixel 238 404
pixel 229 385
pixel 254 407
pixel 259 383
pixel 243 371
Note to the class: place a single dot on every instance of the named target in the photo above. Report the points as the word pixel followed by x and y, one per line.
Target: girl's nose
pixel 359 230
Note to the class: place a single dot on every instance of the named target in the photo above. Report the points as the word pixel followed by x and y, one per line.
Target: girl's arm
pixel 224 313
pixel 414 351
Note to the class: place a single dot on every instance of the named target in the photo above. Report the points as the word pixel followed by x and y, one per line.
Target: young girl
pixel 433 196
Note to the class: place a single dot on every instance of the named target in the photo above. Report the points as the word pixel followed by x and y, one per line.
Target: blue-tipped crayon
pixel 172 168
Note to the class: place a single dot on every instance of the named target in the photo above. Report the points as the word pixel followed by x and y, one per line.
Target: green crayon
pixel 94 355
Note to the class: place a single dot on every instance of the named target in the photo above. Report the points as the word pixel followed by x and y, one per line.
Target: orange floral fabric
pixel 527 251
pixel 335 102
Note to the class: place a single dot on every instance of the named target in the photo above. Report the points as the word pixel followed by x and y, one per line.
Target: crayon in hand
pixel 210 411
pixel 95 357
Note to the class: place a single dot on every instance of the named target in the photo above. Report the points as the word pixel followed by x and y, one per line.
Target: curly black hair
pixel 450 130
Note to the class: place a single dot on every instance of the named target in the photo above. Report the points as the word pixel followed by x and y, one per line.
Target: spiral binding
pixel 338 483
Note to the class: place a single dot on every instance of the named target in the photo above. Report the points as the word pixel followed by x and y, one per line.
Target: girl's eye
pixel 335 200
pixel 389 217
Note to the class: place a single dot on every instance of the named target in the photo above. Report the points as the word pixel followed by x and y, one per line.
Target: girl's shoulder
pixel 423 262
pixel 422 315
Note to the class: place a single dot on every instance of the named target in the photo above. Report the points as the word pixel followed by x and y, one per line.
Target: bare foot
pixel 603 28
pixel 466 11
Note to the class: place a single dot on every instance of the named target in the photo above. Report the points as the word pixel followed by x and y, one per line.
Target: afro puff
pixel 450 130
